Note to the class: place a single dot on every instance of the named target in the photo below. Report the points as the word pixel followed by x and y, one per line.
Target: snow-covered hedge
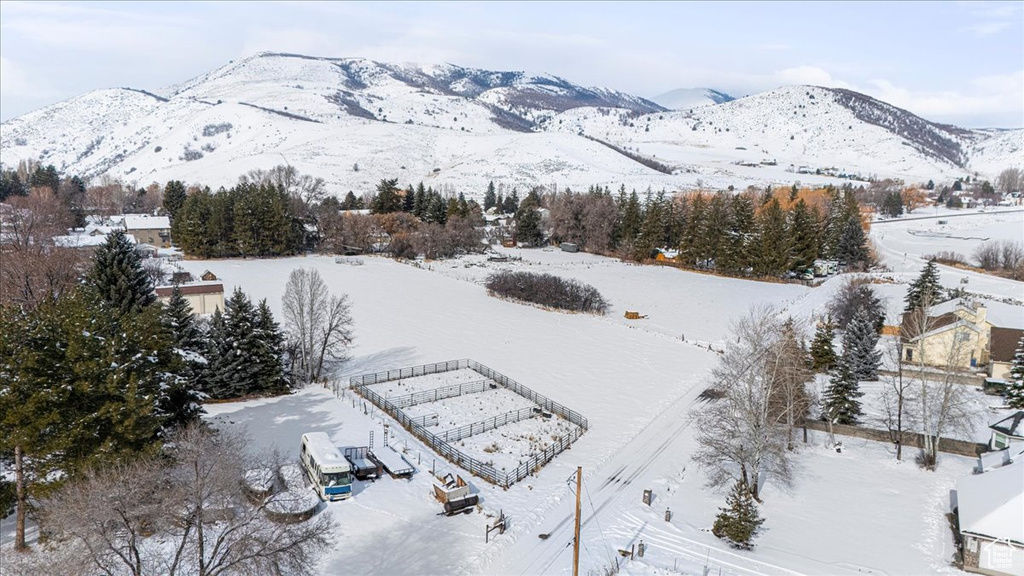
pixel 547 290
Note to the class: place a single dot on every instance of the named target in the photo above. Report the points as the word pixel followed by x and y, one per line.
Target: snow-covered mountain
pixel 354 121
pixel 686 98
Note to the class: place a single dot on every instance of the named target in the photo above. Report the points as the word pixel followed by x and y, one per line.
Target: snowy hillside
pixel 686 98
pixel 354 121
pixel 832 130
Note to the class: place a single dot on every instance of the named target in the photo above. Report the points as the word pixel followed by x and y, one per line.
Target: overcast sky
pixel 956 62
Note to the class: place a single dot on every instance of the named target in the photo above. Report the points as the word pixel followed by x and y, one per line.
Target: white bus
pixel 325 467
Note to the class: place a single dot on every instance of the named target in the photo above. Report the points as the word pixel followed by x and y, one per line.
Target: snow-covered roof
pixel 1005 315
pixel 1012 425
pixel 992 504
pixel 146 222
pixel 84 240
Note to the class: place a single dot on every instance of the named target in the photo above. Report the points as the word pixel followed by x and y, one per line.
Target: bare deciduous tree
pixel 897 398
pixel 318 322
pixel 186 514
pixel 943 404
pixel 35 268
pixel 741 433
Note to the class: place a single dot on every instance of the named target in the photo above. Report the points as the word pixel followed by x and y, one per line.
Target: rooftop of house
pixel 144 222
pixel 1011 425
pixel 992 504
pixel 192 288
pixel 1003 343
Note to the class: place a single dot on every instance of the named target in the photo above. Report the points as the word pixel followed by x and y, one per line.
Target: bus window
pixel 335 479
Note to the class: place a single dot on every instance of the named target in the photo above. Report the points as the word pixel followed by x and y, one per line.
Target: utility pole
pixel 576 540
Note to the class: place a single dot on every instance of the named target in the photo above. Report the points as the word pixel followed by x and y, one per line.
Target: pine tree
pixel 859 342
pixel 1015 387
pixel 803 234
pixel 840 404
pixel 174 197
pixel 739 521
pixel 925 290
pixel 269 351
pixel 632 218
pixel 892 205
pixel 773 256
pixel 233 367
pixel 511 203
pixel 387 199
pixel 823 354
pixel 118 277
pixel 420 202
pixel 853 243
pixel 489 198
pixel 691 247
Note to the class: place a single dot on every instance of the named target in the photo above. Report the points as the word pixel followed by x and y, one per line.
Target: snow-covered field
pixel 636 382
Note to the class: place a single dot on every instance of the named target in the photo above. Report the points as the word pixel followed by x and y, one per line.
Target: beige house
pixel 955 334
pixel 203 297
pixel 146 229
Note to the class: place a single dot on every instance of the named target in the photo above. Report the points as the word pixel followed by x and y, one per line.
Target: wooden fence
pixel 911 439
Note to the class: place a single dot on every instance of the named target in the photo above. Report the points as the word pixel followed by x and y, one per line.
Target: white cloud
pixel 984 99
pixel 988 28
pixel 15 82
pixel 807 75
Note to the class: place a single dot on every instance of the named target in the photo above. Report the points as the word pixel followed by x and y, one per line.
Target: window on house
pixel 910 354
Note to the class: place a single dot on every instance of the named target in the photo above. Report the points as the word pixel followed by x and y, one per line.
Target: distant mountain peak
pixel 684 98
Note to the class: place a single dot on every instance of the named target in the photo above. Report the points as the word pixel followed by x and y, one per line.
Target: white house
pixel 991 512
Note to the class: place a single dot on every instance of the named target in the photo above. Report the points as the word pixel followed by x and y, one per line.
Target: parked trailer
pixel 394 463
pixel 365 465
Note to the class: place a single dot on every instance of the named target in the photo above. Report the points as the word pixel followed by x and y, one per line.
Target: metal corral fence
pixel 500 477
pixel 436 394
pixel 475 428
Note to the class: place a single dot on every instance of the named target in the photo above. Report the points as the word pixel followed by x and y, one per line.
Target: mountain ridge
pixel 356 120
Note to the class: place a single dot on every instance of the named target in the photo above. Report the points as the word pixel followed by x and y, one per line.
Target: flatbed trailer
pixel 365 466
pixel 394 463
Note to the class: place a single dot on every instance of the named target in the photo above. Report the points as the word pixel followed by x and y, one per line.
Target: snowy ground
pixel 425 382
pixel 636 382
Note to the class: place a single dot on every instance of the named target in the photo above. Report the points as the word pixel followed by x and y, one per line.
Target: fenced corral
pixel 440 443
pixel 441 393
pixel 488 424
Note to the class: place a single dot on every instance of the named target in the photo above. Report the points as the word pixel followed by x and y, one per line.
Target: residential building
pixel 203 297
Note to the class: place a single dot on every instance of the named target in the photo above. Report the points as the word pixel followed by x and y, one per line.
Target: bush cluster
pixel 547 290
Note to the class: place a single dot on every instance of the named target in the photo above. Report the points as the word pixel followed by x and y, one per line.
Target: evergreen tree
pixel 739 521
pixel 174 197
pixel 387 199
pixel 269 351
pixel 180 401
pixel 528 226
pixel 840 404
pixel 189 227
pixel 773 252
pixel 823 355
pixel 1015 387
pixel 420 202
pixel 691 247
pixel 437 209
pixel 803 234
pixel 118 277
pixel 11 185
pixel 489 197
pixel 409 200
pixel 716 224
pixel 512 203
pixel 853 244
pixel 632 218
pixel 45 177
pixel 859 341
pixel 232 360
pixel 925 290
pixel 351 202
pixel 892 205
